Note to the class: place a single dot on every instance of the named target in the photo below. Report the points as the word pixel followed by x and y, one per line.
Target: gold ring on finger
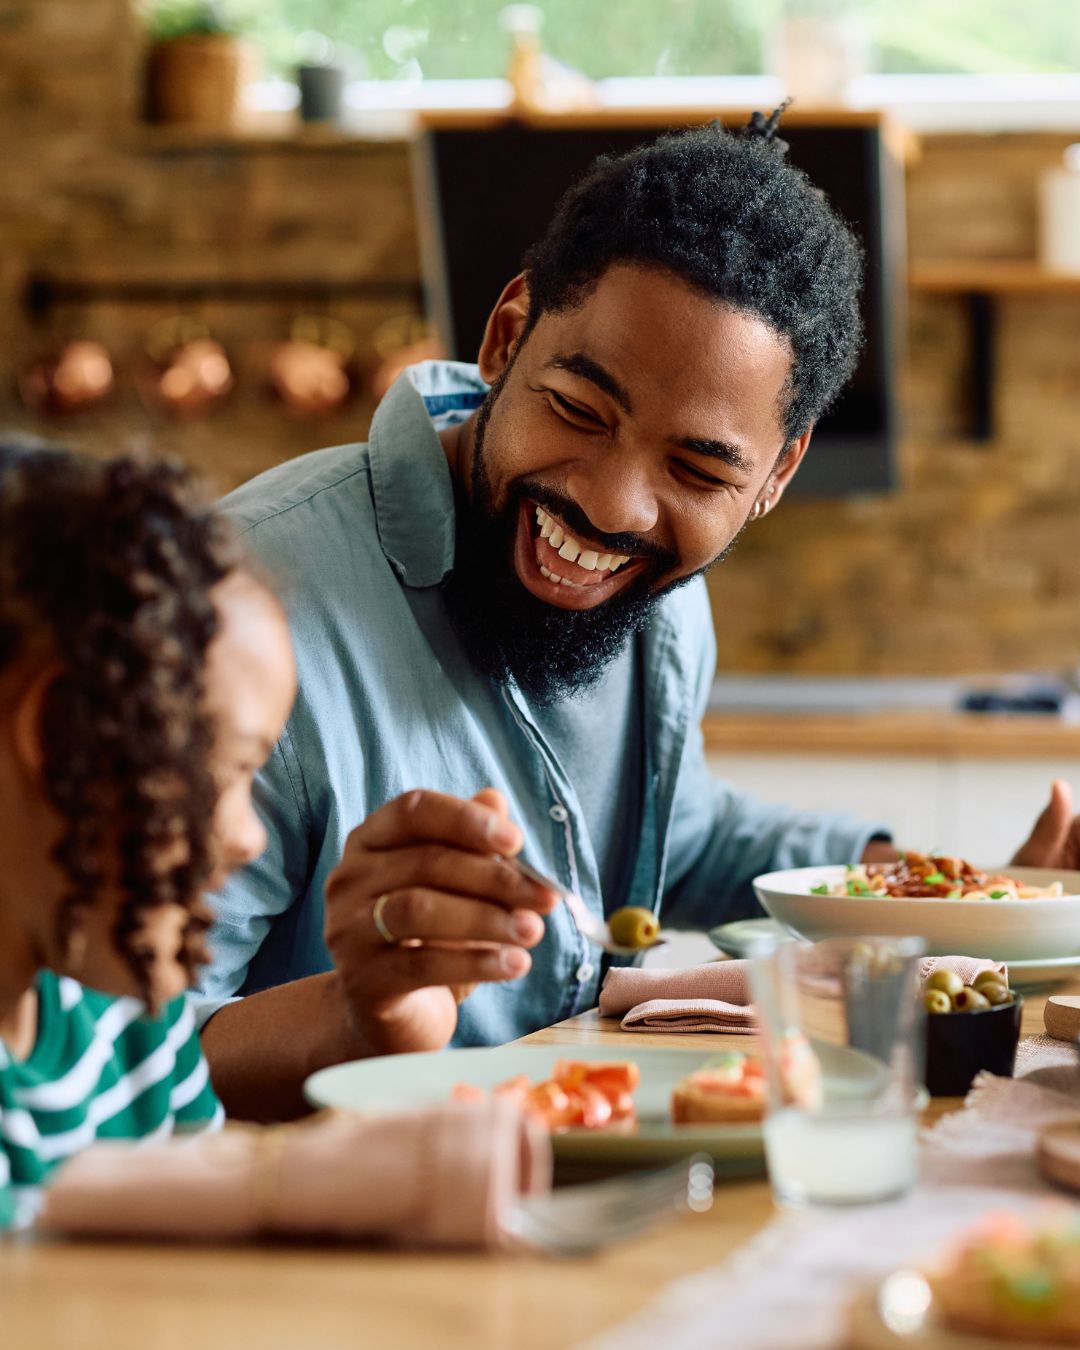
pixel 380 922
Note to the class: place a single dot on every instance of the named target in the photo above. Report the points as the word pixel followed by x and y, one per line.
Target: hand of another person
pixel 1055 840
pixel 458 913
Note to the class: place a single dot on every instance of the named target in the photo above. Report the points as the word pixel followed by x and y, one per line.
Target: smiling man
pixel 499 601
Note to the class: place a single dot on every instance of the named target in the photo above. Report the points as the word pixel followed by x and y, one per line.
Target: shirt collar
pixel 410 476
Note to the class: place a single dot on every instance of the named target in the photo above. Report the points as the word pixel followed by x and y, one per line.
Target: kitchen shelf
pixel 903 733
pixel 982 282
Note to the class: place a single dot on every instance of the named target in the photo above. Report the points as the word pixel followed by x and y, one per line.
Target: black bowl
pixel 960 1044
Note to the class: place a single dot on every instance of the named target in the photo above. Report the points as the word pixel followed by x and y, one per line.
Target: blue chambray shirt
pixel 359 539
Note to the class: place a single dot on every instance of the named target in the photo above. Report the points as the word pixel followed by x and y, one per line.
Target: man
pixel 499 600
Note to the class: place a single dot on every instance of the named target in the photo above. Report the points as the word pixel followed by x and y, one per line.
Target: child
pixel 144 678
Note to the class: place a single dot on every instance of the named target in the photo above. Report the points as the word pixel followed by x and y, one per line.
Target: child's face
pixel 250 685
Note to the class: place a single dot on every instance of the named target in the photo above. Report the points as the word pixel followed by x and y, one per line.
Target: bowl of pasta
pixel 1008 914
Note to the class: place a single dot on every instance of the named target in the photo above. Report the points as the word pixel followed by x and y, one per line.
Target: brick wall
pixel 970 565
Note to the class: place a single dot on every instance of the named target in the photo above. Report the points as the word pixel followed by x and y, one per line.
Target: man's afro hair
pixel 730 215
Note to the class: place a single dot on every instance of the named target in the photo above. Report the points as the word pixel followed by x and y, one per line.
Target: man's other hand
pixel 1055 840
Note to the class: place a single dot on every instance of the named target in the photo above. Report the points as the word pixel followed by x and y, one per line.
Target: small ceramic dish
pixel 961 1044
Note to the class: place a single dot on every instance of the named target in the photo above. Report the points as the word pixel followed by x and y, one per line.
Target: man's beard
pixel 509 633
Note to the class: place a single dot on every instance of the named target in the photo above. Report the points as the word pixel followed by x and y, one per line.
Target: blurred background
pixel 225 227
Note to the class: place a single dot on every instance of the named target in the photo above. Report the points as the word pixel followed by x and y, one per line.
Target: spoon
pixel 591 928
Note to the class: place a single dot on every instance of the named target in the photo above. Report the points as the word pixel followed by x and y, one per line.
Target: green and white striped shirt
pixel 100 1069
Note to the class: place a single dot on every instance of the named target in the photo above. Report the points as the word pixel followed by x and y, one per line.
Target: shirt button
pixel 559 812
pixel 584 971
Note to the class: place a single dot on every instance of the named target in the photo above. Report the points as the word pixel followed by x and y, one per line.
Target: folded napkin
pixel 445 1177
pixel 710 997
pixel 715 996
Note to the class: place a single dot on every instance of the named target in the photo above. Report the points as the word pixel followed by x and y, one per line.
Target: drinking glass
pixel 840 1025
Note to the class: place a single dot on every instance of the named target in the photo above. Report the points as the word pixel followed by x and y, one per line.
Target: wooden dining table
pixel 57 1295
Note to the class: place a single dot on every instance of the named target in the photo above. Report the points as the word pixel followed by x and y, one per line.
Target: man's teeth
pixel 569 548
pixel 559 581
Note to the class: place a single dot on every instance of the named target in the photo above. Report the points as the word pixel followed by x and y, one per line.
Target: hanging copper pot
pixel 77 378
pixel 403 341
pixel 310 372
pixel 190 374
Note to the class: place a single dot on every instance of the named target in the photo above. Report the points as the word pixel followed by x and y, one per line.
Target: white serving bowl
pixel 1003 930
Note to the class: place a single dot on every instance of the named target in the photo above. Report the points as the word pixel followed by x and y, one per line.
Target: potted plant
pixel 196 65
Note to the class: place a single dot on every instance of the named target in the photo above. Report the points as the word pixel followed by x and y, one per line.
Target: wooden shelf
pixel 991 276
pixel 982 283
pixel 654 115
pixel 272 133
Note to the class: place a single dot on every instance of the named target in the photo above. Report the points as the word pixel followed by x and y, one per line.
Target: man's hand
pixel 880 851
pixel 1055 840
pixel 460 915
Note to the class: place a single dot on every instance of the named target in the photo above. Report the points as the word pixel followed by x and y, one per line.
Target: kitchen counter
pixel 906 732
pixel 910 717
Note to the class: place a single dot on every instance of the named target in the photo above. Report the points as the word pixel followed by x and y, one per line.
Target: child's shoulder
pixel 68 1008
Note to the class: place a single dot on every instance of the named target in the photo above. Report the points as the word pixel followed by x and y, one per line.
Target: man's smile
pixel 563 568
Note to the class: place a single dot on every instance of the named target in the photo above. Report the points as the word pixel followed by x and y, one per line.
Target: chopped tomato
pixel 620 1074
pixel 553 1104
pixel 590 1094
pixel 466 1092
pixel 595 1107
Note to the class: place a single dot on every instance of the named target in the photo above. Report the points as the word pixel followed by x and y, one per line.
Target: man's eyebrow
pixel 577 363
pixel 730 454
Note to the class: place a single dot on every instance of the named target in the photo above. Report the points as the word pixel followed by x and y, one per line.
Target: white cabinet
pixel 979 808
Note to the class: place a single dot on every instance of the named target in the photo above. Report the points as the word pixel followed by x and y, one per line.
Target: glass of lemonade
pixel 840 1024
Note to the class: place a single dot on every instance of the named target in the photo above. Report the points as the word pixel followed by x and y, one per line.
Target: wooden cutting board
pixel 1058 1154
pixel 1061 1016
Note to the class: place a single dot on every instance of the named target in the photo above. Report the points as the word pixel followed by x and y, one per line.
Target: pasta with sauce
pixel 933 876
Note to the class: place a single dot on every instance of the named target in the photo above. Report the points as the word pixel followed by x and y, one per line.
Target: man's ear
pixel 784 472
pixel 27 722
pixel 505 325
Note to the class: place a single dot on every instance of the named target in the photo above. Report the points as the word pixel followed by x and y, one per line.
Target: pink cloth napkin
pixel 445 1177
pixel 715 996
pixel 710 997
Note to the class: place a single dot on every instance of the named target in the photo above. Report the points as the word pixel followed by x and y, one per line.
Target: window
pixel 464 39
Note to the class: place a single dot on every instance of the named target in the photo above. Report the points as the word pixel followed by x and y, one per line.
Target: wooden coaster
pixel 1061 1016
pixel 1058 1154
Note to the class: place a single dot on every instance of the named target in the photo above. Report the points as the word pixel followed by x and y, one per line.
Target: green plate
pixel 400 1082
pixel 737 939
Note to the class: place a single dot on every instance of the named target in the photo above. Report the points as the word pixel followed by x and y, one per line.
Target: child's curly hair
pixel 108 567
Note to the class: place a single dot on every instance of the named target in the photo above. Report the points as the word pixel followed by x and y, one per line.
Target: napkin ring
pixel 380 923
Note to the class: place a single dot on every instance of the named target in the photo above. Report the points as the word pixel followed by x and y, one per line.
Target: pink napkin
pixel 715 996
pixel 445 1177
pixel 711 997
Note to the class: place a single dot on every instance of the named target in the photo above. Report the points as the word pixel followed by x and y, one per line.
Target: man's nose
pixel 617 492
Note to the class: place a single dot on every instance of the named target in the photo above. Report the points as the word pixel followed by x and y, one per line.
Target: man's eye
pixel 572 411
pixel 699 474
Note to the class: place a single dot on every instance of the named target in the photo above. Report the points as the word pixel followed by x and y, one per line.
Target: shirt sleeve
pixel 721 838
pixel 246 907
pixel 7 1204
pixel 192 1100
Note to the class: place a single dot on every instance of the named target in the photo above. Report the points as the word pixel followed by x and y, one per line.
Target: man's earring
pixel 763 505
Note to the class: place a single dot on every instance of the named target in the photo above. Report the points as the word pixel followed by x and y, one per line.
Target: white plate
pixel 400 1082
pixel 1003 930
pixel 1048 971
pixel 739 937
